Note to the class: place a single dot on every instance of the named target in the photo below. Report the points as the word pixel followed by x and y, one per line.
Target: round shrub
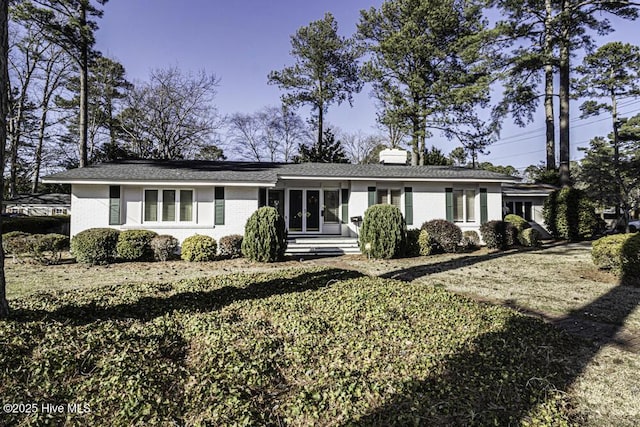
pixel 446 234
pixel 529 237
pixel 16 243
pixel 47 248
pixel 569 215
pixel 199 248
pixel 519 222
pixel 470 240
pixel 494 234
pixel 134 245
pixel 265 236
pixel 95 245
pixel 427 244
pixel 231 246
pixel 164 247
pixel 413 245
pixel 619 253
pixel 384 233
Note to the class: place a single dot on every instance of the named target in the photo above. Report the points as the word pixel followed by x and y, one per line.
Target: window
pixel 464 205
pixel 389 197
pixel 168 205
pixel 114 205
pixel 59 211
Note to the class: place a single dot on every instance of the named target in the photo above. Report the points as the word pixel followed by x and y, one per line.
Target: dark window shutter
pixel 262 197
pixel 219 206
pixel 345 205
pixel 408 205
pixel 484 213
pixel 449 202
pixel 372 195
pixel 114 205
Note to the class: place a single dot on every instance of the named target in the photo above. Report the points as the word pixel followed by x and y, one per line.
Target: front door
pixel 304 211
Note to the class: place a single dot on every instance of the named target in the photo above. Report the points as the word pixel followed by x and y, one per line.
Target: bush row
pixel 105 245
pixel 508 233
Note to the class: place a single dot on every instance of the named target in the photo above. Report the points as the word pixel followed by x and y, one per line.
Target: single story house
pixel 39 204
pixel 185 197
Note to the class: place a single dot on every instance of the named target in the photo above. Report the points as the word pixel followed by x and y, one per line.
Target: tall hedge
pixel 265 236
pixel 570 215
pixel 95 245
pixel 384 232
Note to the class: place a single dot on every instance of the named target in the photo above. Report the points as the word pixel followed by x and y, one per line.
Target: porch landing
pixel 322 245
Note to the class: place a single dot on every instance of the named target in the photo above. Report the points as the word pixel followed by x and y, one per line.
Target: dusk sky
pixel 242 41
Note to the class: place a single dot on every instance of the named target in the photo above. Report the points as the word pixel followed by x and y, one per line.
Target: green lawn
pixel 300 346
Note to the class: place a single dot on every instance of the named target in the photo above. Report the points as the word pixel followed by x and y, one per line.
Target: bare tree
pixel 359 146
pixel 54 72
pixel 171 116
pixel 245 135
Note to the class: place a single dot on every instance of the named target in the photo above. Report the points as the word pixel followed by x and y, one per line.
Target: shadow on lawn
pixel 502 377
pixel 147 308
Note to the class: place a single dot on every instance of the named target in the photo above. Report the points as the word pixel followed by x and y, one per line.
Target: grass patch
pixel 300 347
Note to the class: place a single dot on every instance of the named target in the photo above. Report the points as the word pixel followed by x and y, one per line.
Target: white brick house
pixel 182 198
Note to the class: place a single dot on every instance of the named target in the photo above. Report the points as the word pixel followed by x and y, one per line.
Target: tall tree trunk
pixel 16 128
pixel 616 155
pixel 320 125
pixel 38 154
pixel 4 84
pixel 548 90
pixel 415 143
pixel 565 81
pixel 84 92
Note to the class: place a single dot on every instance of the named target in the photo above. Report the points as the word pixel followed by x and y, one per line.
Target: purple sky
pixel 241 41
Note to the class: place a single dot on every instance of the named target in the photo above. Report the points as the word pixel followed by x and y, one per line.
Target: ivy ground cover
pixel 297 347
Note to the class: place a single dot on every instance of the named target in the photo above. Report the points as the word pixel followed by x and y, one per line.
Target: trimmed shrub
pixel 510 234
pixel 494 234
pixel 529 237
pixel 16 244
pixel 265 236
pixel 199 248
pixel 520 223
pixel 470 240
pixel 47 248
pixel 446 234
pixel 619 253
pixel 427 244
pixel 95 245
pixel 231 246
pixel 569 215
pixel 384 233
pixel 164 247
pixel 413 244
pixel 134 245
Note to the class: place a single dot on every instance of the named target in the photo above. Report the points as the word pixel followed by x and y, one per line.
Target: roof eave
pixel 147 183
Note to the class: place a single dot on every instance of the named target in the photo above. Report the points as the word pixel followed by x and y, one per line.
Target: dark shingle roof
pixel 245 172
pixel 40 199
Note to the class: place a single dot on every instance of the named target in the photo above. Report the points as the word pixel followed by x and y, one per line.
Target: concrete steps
pixel 322 246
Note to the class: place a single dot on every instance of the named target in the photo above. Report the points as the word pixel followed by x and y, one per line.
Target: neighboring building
pixel 182 198
pixel 39 204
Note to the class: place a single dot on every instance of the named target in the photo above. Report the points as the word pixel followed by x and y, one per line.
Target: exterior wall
pixel 537 203
pixel 91 204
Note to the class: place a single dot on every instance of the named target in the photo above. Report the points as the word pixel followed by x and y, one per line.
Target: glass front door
pixel 304 211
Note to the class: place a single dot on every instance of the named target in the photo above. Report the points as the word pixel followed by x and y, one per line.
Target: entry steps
pixel 322 246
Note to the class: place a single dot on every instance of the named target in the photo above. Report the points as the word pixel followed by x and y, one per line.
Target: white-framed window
pixel 464 205
pixel 389 196
pixel 168 205
pixel 59 211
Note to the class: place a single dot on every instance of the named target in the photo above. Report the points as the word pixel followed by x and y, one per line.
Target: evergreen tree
pixel 329 150
pixel 325 72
